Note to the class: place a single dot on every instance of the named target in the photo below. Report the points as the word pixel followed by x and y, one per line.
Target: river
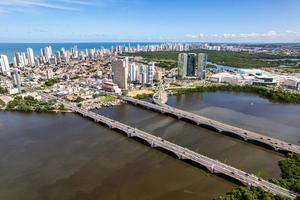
pixel 64 156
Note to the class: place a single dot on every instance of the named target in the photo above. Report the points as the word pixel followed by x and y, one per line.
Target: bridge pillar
pixel 152 144
pixel 276 148
pixel 179 156
pixel 179 117
pixel 128 134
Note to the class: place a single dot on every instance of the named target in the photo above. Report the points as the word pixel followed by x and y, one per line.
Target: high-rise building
pixel 120 72
pixel 182 65
pixel 50 74
pixel 4 65
pixel 133 72
pixel 191 64
pixel 202 58
pixel 16 79
pixel 20 60
pixel 47 53
pixel 150 73
pixel 143 74
pixel 30 56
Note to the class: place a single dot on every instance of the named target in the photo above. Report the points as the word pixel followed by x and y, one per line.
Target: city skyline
pixel 150 21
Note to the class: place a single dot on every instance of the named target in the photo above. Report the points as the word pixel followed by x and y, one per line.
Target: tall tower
pixel 201 69
pixel 150 73
pixel 191 64
pixel 120 72
pixel 133 72
pixel 16 79
pixel 182 65
pixel 30 56
pixel 4 65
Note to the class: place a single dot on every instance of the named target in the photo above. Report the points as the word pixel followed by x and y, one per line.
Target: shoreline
pixel 272 94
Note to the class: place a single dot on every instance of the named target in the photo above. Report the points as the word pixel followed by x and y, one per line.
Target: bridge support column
pixel 152 144
pixel 179 117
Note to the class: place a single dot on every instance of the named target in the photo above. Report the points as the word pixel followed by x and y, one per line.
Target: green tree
pixel 79 99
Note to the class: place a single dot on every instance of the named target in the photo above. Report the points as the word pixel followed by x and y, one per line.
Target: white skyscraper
pixel 30 56
pixel 50 74
pixel 150 73
pixel 47 53
pixel 4 65
pixel 133 72
pixel 19 60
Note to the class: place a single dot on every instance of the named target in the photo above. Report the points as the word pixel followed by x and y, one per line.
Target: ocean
pixel 10 49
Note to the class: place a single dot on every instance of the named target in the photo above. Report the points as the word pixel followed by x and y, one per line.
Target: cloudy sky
pixel 149 20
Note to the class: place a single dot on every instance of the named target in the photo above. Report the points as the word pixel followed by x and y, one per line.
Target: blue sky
pixel 149 20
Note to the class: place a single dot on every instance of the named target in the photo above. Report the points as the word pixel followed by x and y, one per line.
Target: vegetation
pixel 61 107
pixel 108 98
pixel 290 69
pixel 124 92
pixel 98 95
pixel 2 103
pixel 252 193
pixel 143 96
pixel 290 178
pixel 79 99
pixel 168 59
pixel 51 82
pixel 175 84
pixel 272 94
pixel 3 90
pixel 290 173
pixel 29 104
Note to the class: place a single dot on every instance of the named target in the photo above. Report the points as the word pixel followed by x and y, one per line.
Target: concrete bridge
pixel 182 153
pixel 246 135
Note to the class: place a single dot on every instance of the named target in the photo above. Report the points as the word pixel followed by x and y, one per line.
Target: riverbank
pixel 272 94
pixel 290 179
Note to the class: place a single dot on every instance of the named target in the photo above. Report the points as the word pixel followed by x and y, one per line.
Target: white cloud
pixel 288 36
pixel 9 6
pixel 195 36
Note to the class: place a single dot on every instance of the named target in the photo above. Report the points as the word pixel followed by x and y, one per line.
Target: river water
pixel 64 156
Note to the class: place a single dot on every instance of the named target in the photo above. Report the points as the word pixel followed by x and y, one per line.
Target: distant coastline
pixel 10 49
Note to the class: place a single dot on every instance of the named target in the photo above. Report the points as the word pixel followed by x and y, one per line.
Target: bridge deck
pixel 221 127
